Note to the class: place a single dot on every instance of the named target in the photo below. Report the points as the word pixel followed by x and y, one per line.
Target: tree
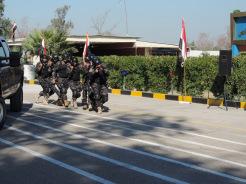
pixel 55 35
pixel 59 22
pixel 192 45
pixel 236 11
pixel 99 22
pixel 204 42
pixel 5 23
pixel 224 41
pixel 33 42
pixel 23 28
pixel 55 42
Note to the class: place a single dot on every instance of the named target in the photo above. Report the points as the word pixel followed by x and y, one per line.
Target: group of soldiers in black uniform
pixel 58 73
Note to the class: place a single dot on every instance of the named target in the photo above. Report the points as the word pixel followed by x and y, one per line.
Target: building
pixel 116 45
pixel 238 32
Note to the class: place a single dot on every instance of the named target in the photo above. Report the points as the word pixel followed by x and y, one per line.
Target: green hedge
pixel 162 74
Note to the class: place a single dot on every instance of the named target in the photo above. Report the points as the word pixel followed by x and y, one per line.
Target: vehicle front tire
pixel 16 101
pixel 2 112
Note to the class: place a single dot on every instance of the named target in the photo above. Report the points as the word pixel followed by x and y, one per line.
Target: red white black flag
pixel 13 29
pixel 44 48
pixel 86 47
pixel 183 44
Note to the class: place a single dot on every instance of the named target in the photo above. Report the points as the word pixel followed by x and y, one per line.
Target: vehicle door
pixel 6 74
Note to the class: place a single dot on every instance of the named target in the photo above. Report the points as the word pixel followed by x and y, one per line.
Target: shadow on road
pixel 126 125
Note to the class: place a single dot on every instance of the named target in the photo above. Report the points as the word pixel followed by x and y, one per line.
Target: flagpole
pixel 184 80
pixel 183 50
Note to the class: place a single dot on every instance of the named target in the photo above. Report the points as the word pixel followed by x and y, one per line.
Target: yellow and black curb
pixel 31 82
pixel 188 99
pixel 161 96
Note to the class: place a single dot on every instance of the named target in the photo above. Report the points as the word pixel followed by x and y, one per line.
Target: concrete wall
pixel 199 53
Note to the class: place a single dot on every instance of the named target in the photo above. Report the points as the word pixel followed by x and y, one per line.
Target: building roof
pixel 154 45
pixel 100 39
pixel 103 39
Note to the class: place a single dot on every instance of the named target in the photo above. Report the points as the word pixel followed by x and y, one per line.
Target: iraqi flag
pixel 43 47
pixel 86 47
pixel 14 27
pixel 183 44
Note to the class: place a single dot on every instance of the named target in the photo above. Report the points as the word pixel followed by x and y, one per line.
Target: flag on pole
pixel 44 48
pixel 86 47
pixel 13 29
pixel 183 44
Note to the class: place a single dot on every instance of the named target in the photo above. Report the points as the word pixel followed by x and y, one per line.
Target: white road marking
pixel 156 134
pixel 169 129
pixel 78 136
pixel 163 146
pixel 57 162
pixel 107 159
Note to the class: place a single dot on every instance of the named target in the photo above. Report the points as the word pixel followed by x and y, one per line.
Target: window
pixel 6 48
pixel 3 62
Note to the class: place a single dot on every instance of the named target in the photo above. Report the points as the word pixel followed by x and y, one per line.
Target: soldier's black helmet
pixel 97 62
pixel 66 56
pixel 74 59
pixel 60 58
pixel 44 60
pixel 55 58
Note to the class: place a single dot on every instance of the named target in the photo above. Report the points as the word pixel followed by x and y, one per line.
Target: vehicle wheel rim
pixel 1 112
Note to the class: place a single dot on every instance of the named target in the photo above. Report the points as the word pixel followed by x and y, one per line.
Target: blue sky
pixel 153 20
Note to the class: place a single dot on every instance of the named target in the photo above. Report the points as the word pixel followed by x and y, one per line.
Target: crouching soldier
pixel 98 82
pixel 86 85
pixel 62 72
pixel 44 72
pixel 74 81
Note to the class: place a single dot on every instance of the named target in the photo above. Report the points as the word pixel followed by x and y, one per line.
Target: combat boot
pixel 90 108
pixel 85 106
pixel 45 101
pixel 59 102
pixel 37 99
pixel 75 105
pixel 99 110
pixel 66 103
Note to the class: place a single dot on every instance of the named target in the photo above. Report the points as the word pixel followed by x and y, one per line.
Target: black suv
pixel 11 81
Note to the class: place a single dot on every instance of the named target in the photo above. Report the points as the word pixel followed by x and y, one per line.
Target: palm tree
pixel 55 42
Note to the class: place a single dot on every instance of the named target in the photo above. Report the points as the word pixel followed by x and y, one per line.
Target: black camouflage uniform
pixel 44 72
pixel 74 80
pixel 61 72
pixel 98 82
pixel 86 84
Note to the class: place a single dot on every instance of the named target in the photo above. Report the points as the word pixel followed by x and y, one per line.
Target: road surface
pixel 139 140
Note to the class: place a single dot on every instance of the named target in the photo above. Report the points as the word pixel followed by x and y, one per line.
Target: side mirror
pixel 14 58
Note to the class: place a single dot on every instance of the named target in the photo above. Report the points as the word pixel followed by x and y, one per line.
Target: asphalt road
pixel 139 140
